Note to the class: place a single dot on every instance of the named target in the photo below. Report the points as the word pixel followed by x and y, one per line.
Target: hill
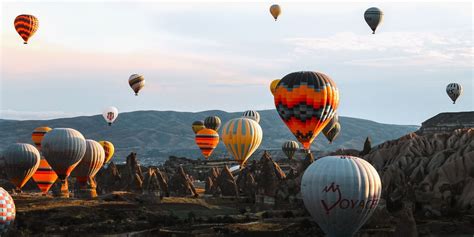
pixel 155 135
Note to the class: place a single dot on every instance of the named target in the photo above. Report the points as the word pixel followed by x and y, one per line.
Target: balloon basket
pixel 64 191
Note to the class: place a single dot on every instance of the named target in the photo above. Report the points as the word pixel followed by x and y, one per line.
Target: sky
pixel 199 56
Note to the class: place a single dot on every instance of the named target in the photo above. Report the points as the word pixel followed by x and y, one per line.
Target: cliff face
pixel 434 171
pixel 447 122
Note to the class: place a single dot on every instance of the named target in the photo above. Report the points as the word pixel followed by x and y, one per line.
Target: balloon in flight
pixel 136 82
pixel 306 102
pixel 242 136
pixel 44 175
pixel 340 193
pixel 26 26
pixel 252 114
pixel 21 162
pixel 273 86
pixel 333 133
pixel 275 10
pixel 290 148
pixel 109 150
pixel 198 126
pixel 207 140
pixel 373 16
pixel 110 114
pixel 212 122
pixel 454 90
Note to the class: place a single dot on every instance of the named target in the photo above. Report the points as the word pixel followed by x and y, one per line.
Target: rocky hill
pixel 155 135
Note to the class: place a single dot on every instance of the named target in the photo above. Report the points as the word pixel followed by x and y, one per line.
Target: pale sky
pixel 220 55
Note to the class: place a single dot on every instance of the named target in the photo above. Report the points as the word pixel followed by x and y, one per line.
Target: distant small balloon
pixel 332 134
pixel 290 148
pixel 373 16
pixel 275 10
pixel 454 90
pixel 207 140
pixel 26 26
pixel 110 114
pixel 273 86
pixel 136 82
pixel 212 122
pixel 198 126
pixel 252 114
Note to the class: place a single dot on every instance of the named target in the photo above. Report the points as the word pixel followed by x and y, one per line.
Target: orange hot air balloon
pixel 109 150
pixel 306 102
pixel 44 175
pixel 26 26
pixel 207 140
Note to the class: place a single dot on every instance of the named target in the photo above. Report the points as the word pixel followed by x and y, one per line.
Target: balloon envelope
pixel 273 86
pixel 110 114
pixel 26 26
pixel 63 148
pixel 136 82
pixel 207 140
pixel 290 148
pixel 275 10
pixel 306 102
pixel 252 114
pixel 212 122
pixel 38 134
pixel 7 210
pixel 109 150
pixel 340 193
pixel 198 126
pixel 454 90
pixel 21 162
pixel 373 16
pixel 333 133
pixel 242 136
pixel 44 176
pixel 91 162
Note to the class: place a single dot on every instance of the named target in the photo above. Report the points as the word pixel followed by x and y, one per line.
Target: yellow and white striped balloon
pixel 242 136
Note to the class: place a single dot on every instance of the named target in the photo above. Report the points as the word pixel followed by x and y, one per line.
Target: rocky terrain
pixel 156 135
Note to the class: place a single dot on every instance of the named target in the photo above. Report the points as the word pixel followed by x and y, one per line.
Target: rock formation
pixel 211 181
pixel 180 184
pixel 133 174
pixel 270 176
pixel 367 147
pixel 246 180
pixel 226 183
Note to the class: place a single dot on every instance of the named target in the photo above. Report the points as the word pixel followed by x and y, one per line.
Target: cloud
pixel 385 49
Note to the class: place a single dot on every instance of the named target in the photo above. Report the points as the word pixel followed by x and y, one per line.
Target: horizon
pixel 397 76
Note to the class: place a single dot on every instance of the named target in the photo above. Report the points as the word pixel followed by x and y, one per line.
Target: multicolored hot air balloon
pixel 212 122
pixel 242 136
pixel 26 26
pixel 454 90
pixel 21 162
pixel 252 114
pixel 290 148
pixel 373 16
pixel 44 175
pixel 109 150
pixel 7 210
pixel 198 126
pixel 273 86
pixel 306 102
pixel 207 140
pixel 88 167
pixel 333 133
pixel 341 193
pixel 136 82
pixel 63 148
pixel 110 114
pixel 275 10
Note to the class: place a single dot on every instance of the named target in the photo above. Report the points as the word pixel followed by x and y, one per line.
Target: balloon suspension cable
pixel 110 124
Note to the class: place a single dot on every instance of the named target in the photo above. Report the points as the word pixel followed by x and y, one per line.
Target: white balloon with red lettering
pixel 341 193
pixel 110 114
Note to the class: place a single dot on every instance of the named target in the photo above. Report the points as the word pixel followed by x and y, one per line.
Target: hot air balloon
pixel 26 26
pixel 109 150
pixel 63 148
pixel 207 140
pixel 110 114
pixel 275 10
pixel 198 126
pixel 331 124
pixel 136 82
pixel 333 133
pixel 242 136
pixel 44 175
pixel 340 193
pixel 252 114
pixel 21 162
pixel 454 90
pixel 212 122
pixel 7 210
pixel 273 86
pixel 373 16
pixel 290 148
pixel 88 167
pixel 306 102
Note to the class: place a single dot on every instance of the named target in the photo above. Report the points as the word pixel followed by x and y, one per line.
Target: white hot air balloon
pixel 340 193
pixel 110 114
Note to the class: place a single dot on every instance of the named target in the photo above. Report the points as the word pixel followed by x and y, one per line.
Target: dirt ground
pixel 126 214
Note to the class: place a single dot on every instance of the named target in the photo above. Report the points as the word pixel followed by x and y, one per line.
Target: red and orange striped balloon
pixel 26 26
pixel 207 140
pixel 44 175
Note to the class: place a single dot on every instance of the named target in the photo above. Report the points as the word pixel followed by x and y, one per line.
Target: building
pixel 447 122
